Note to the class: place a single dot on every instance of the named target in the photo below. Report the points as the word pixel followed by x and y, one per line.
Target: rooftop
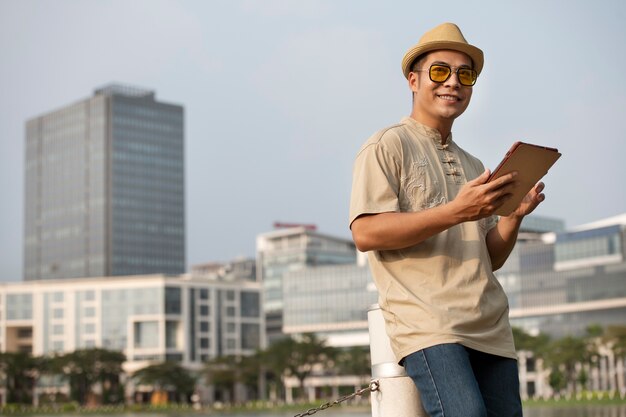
pixel 124 90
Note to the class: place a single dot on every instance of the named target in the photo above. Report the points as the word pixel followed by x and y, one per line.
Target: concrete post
pixel 396 395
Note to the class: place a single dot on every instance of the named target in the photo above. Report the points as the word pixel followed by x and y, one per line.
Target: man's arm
pixel 476 199
pixel 501 239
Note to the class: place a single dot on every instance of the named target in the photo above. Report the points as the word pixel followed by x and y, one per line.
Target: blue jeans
pixel 454 380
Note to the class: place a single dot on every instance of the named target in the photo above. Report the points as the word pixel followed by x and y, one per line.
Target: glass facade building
pixel 288 250
pixel 331 301
pixel 104 188
pixel 188 319
pixel 566 281
pixel 558 282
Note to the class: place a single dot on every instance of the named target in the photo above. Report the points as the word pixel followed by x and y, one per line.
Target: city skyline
pixel 279 96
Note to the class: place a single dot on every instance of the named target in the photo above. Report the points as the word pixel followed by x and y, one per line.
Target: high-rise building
pixel 104 189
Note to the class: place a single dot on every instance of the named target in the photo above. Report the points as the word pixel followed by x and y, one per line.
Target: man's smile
pixel 448 97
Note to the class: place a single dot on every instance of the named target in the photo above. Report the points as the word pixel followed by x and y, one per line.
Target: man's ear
pixel 413 81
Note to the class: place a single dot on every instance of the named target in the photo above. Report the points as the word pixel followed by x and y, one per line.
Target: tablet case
pixel 531 163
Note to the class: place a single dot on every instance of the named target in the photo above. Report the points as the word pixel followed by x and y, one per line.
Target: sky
pixel 279 96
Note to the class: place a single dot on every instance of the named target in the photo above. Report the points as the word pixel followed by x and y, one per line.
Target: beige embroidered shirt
pixel 442 290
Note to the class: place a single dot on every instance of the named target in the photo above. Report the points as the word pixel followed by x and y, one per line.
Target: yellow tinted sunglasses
pixel 440 73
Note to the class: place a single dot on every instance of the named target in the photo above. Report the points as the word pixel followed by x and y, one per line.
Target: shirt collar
pixel 428 132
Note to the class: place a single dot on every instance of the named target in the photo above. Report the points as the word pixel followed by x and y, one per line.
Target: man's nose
pixel 453 80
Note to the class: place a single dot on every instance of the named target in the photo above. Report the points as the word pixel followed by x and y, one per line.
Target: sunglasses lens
pixel 467 76
pixel 439 73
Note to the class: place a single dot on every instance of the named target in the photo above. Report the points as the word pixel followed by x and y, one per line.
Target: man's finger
pixel 503 180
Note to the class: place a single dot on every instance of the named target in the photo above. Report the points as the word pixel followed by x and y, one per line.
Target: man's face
pixel 440 102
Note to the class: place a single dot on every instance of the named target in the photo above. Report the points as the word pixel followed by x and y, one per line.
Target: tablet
pixel 531 163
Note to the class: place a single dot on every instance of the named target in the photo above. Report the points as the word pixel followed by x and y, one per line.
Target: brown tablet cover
pixel 531 163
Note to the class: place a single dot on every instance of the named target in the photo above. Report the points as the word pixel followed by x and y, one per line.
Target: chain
pixel 373 386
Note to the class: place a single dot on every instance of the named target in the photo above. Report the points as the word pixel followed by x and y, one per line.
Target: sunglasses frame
pixel 450 74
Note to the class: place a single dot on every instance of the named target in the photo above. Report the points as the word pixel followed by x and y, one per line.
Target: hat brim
pixel 473 52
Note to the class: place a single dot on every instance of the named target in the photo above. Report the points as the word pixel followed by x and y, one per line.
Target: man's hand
pixel 530 201
pixel 502 238
pixel 478 198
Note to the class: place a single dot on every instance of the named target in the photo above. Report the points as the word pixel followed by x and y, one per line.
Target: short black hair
pixel 417 62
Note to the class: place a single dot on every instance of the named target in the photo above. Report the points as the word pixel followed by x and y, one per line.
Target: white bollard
pixel 397 395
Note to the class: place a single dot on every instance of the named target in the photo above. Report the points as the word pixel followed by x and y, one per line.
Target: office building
pixel 292 249
pixel 151 318
pixel 241 269
pixel 566 281
pixel 331 301
pixel 104 188
pixel 558 282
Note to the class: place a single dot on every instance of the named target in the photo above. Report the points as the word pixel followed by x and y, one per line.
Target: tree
pixel 538 345
pixel 564 354
pixel 170 377
pixel 354 361
pixel 19 372
pixel 616 337
pixel 85 367
pixel 557 380
pixel 227 372
pixel 289 356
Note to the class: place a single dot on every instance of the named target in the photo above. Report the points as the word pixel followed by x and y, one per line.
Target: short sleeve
pixel 375 181
pixel 489 223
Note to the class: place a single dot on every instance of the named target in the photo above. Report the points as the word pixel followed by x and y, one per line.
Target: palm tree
pixel 615 338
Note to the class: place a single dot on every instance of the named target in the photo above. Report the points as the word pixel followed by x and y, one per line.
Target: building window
pixel 250 336
pixel 230 295
pixel 174 357
pixel 231 344
pixel 250 305
pixel 90 328
pixel 204 326
pixel 57 329
pixel 204 294
pixel 205 343
pixel 57 313
pixel 25 333
pixel 90 312
pixel 171 334
pixel 204 311
pixel 230 328
pixel 230 311
pixel 146 334
pixel 19 306
pixel 172 300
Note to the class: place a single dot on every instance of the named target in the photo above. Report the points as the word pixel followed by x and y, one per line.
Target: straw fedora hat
pixel 444 36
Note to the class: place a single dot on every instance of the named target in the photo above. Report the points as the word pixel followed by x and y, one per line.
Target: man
pixel 423 209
